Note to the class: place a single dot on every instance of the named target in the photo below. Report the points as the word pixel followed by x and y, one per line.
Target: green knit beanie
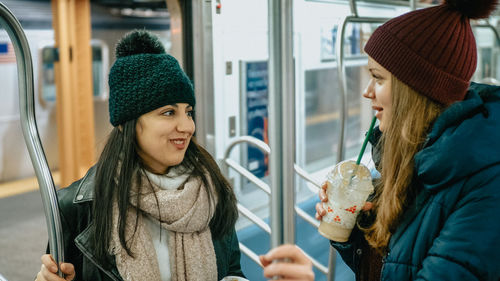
pixel 144 78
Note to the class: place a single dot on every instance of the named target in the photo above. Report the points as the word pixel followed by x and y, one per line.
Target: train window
pixel 254 113
pixel 488 49
pixel 46 76
pixel 319 96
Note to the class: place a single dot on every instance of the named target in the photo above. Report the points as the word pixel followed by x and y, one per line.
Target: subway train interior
pixel 226 48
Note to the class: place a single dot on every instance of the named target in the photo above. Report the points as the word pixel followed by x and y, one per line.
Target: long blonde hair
pixel 412 114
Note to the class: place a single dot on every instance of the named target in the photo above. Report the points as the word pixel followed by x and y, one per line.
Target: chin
pixel 381 127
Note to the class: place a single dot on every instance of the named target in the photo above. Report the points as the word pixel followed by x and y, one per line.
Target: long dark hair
pixel 120 153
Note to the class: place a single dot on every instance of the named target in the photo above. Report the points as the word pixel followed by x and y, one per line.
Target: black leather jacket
pixel 75 203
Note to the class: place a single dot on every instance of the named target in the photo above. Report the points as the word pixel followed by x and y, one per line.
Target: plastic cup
pixel 348 187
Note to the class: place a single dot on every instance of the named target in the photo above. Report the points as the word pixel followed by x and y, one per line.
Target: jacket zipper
pixel 384 259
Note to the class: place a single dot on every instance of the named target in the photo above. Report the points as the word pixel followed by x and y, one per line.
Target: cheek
pixel 386 96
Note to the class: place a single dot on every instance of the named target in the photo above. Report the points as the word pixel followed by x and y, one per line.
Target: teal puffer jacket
pixel 452 230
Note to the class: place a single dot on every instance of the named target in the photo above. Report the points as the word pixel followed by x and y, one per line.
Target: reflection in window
pixel 322 125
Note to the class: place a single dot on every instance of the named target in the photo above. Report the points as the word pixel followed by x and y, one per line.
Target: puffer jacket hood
pixel 470 123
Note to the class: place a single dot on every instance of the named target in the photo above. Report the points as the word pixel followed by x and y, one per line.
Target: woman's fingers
pixel 49 263
pixel 69 271
pixel 368 206
pixel 287 251
pixel 322 193
pixel 295 265
pixel 48 271
pixel 320 211
pixel 289 271
pixel 263 261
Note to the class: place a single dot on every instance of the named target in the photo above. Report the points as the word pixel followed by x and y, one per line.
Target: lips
pixel 379 111
pixel 179 143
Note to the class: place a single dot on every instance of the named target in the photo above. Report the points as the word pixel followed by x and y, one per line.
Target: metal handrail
pixel 250 140
pixel 312 221
pixel 251 216
pixel 302 173
pixel 30 131
pixel 354 7
pixel 254 218
pixel 247 174
pixel 251 254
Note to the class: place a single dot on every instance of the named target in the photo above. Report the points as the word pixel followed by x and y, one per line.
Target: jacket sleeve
pixel 351 250
pixel 468 245
pixel 234 257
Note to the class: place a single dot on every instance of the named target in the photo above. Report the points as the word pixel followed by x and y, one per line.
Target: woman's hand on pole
pixel 48 272
pixel 288 262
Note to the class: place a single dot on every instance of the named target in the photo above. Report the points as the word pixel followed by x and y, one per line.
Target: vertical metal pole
pixel 413 5
pixel 30 131
pixel 354 7
pixel 203 73
pixel 339 49
pixel 176 30
pixel 282 121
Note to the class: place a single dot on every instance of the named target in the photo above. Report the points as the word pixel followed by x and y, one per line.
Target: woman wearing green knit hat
pixel 434 213
pixel 155 206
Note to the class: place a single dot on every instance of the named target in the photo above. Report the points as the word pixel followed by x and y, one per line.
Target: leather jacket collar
pixel 85 193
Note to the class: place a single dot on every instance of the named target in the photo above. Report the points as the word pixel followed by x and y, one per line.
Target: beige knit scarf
pixel 185 213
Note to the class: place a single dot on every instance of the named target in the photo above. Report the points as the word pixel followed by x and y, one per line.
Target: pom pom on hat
pixel 473 9
pixel 139 42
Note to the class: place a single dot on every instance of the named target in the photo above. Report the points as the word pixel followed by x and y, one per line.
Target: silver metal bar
pixel 275 122
pixel 339 48
pixel 262 146
pixel 354 8
pixel 254 218
pixel 317 264
pixel 176 30
pixel 282 121
pixel 366 19
pixel 306 217
pixel 247 174
pixel 301 172
pixel 251 254
pixel 202 28
pixel 413 5
pixel 30 131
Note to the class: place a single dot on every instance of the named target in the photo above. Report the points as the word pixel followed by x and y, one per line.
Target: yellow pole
pixel 75 113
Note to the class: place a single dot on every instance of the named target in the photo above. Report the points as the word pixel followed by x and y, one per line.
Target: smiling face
pixel 379 92
pixel 163 136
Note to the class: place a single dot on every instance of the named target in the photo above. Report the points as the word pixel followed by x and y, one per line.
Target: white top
pixel 171 181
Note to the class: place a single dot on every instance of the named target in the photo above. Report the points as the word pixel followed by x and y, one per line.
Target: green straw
pixel 366 140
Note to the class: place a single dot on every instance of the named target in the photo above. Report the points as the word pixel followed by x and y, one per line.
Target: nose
pixel 185 124
pixel 369 93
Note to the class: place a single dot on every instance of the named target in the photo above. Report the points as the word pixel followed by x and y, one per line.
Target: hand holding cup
pixel 323 197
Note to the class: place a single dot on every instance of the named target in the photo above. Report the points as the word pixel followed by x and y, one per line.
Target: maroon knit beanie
pixel 432 50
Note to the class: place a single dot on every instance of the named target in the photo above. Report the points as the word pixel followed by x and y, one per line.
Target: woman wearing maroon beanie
pixel 435 207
